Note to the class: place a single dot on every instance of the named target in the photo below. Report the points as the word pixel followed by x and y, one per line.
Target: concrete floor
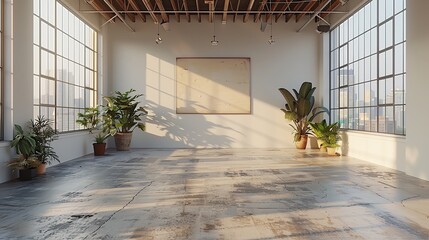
pixel 216 194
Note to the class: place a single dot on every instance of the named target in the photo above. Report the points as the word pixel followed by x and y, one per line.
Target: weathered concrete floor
pixel 216 194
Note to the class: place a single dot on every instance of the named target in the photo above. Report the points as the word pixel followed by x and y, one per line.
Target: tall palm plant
pixel 300 110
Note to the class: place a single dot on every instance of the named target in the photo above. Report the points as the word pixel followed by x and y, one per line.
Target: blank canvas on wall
pixel 213 85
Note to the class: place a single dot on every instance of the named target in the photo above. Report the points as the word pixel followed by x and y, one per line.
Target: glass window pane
pixel 389 33
pixel 382 91
pixel 382 37
pixel 382 119
pixel 389 62
pixel 36 84
pixel 36 30
pixel 399 28
pixel 382 64
pixel 343 97
pixel 373 119
pixel 399 89
pixel 344 76
pixel 399 5
pixel 399 120
pixel 374 93
pixel 36 8
pixel 382 10
pixel 389 91
pixel 399 59
pixel 390 123
pixel 334 98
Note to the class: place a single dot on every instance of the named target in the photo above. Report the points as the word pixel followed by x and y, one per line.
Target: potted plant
pixel 43 134
pixel 25 146
pixel 91 120
pixel 121 116
pixel 319 130
pixel 298 111
pixel 331 137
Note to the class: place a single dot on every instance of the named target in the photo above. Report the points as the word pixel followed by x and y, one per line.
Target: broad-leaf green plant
pixel 91 120
pixel 25 146
pixel 43 134
pixel 331 136
pixel 300 110
pixel 122 114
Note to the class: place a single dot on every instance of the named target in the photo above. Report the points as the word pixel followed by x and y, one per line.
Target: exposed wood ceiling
pixel 202 10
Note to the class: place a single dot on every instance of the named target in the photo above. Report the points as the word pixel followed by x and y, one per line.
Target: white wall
pixel 417 151
pixel 135 61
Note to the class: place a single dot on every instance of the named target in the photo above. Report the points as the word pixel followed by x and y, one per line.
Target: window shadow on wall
pixel 177 128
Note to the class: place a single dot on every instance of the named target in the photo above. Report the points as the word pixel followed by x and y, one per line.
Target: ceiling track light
pixel 214 42
pixel 158 40
pixel 271 41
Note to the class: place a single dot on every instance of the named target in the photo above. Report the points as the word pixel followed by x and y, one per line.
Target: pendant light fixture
pixel 271 40
pixel 214 42
pixel 158 40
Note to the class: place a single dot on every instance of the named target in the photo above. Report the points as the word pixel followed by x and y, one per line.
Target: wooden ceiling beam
pixel 185 5
pixel 198 10
pixel 161 8
pixel 307 7
pixel 273 8
pixel 100 7
pixel 236 13
pixel 174 5
pixel 284 8
pixel 225 11
pixel 123 7
pixel 249 7
pixel 149 7
pixel 331 8
pixel 260 8
pixel 135 7
pixel 296 8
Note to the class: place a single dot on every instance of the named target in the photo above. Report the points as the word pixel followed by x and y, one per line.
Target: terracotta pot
pixel 27 174
pixel 302 143
pixel 41 169
pixel 123 141
pixel 331 151
pixel 99 149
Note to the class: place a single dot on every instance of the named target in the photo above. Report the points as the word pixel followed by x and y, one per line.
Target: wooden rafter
pixel 296 8
pixel 273 8
pixel 249 7
pixel 284 8
pixel 211 9
pixel 174 6
pixel 149 7
pixel 307 7
pixel 225 11
pixel 99 7
pixel 331 7
pixel 263 10
pixel 161 8
pixel 123 7
pixel 135 7
pixel 260 8
pixel 236 13
pixel 198 10
pixel 185 5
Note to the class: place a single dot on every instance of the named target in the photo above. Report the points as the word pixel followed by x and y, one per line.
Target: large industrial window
pixel 65 64
pixel 367 69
